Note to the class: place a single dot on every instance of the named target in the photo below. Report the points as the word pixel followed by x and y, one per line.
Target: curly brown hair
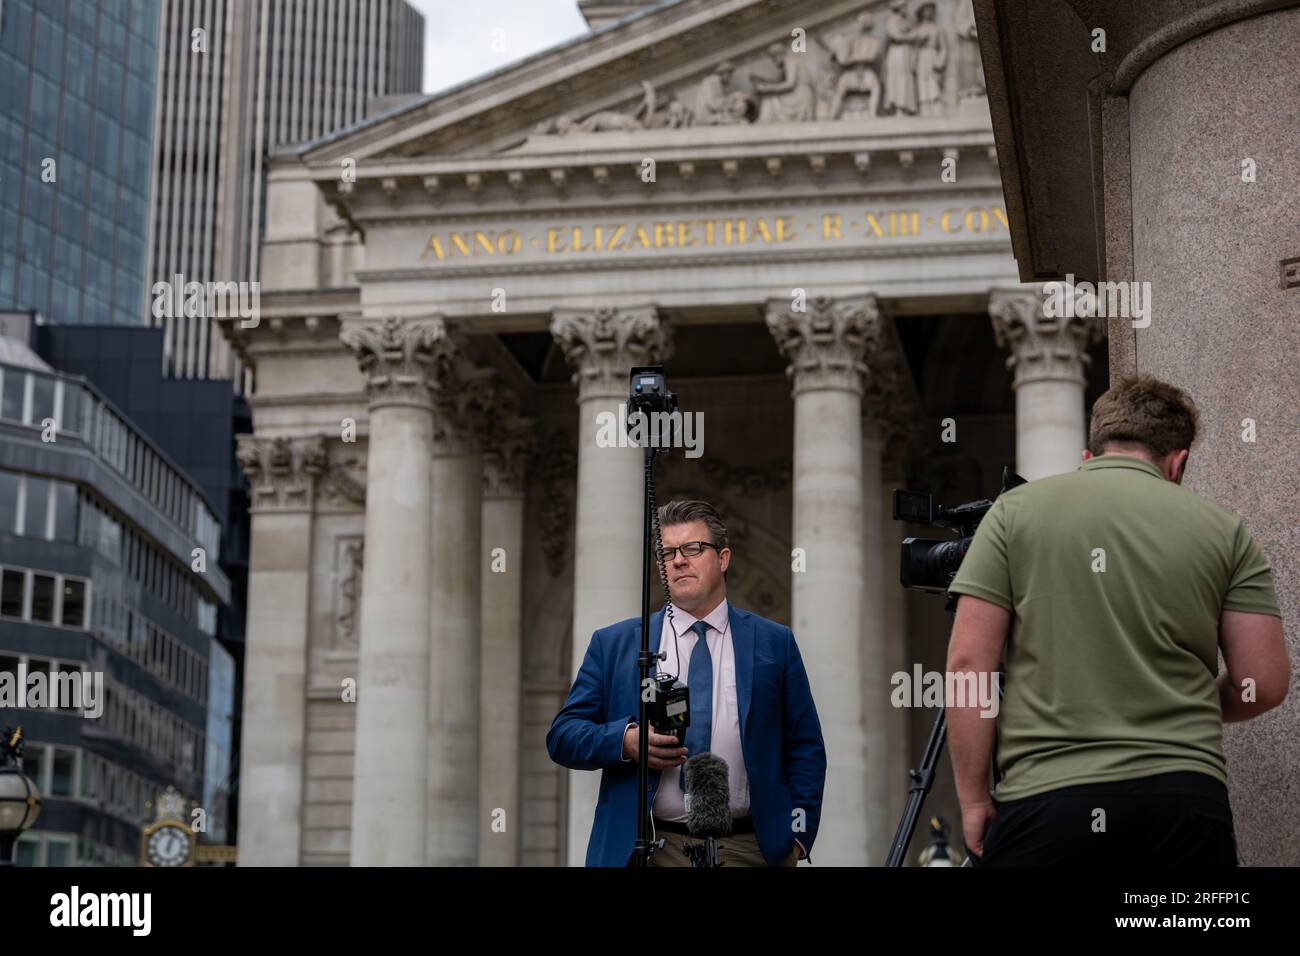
pixel 1143 411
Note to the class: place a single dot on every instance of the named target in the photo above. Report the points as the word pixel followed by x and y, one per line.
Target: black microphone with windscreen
pixel 708 806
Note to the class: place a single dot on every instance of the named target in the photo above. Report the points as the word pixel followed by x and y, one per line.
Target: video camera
pixel 930 564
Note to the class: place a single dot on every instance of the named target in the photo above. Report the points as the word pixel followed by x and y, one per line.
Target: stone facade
pixel 1147 162
pixel 821 277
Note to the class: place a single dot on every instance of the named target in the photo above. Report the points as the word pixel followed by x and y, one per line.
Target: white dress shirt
pixel 725 739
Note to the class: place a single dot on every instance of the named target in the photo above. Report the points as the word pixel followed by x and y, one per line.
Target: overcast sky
pixel 466 38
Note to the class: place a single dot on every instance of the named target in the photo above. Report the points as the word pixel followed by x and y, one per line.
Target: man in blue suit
pixel 750 705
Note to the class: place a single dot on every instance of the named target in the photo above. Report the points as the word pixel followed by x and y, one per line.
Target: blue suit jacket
pixel 780 735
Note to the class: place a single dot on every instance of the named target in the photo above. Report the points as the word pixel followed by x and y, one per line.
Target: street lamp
pixel 20 804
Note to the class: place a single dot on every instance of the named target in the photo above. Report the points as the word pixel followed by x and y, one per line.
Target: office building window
pixel 11 394
pixel 72 407
pixel 43 598
pixel 34 764
pixel 42 399
pixel 74 603
pixel 8 502
pixel 40 601
pixel 63 772
pixel 38 507
pixel 59 850
pixel 27 852
pixel 65 511
pixel 11 593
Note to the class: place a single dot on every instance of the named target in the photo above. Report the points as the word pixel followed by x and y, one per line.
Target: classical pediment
pixel 714 68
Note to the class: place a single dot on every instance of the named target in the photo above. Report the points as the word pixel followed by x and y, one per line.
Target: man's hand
pixel 663 750
pixel 975 822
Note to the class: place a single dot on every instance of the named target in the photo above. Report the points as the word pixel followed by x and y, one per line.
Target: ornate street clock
pixel 168 840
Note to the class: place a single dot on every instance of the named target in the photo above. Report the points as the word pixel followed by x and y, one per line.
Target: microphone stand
pixel 703 854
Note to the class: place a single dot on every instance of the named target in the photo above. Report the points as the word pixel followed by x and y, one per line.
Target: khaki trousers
pixel 739 849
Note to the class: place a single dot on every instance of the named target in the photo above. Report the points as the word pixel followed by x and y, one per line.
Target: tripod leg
pixel 922 780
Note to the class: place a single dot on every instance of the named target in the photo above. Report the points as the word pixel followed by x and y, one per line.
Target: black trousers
pixel 1171 819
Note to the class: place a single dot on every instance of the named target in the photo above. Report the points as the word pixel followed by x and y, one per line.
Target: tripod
pixel 923 777
pixel 922 780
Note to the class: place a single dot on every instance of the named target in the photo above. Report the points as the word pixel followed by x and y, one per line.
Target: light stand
pixel 645 663
pixel 649 396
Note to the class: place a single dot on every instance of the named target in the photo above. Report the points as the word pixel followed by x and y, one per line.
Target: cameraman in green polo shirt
pixel 1109 593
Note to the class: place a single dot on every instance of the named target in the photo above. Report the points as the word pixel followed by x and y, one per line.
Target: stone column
pixel 389 769
pixel 1206 168
pixel 825 346
pixel 1049 356
pixel 885 417
pixel 602 346
pixel 510 439
pixel 875 642
pixel 282 472
pixel 899 750
pixel 462 398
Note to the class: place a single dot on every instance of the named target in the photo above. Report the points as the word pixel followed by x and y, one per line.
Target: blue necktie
pixel 699 678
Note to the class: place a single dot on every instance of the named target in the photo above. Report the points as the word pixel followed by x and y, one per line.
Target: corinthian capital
pixel 826 342
pixel 463 395
pixel 509 440
pixel 282 471
pixel 396 355
pixel 1042 347
pixel 602 345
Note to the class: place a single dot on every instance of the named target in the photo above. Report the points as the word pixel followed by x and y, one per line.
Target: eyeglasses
pixel 691 549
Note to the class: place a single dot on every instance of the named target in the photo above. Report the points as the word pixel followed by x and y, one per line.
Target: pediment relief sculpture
pixel 909 62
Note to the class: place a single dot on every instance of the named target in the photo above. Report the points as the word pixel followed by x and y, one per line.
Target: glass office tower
pixel 77 84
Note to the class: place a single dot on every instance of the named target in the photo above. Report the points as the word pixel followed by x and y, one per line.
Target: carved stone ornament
pixel 395 354
pixel 463 396
pixel 602 345
pixel 343 483
pixel 825 343
pixel 282 471
pixel 897 64
pixel 889 407
pixel 555 464
pixel 509 441
pixel 738 481
pixel 1042 347
pixel 347 621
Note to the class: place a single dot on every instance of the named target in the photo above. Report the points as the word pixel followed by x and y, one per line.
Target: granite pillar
pixel 1212 234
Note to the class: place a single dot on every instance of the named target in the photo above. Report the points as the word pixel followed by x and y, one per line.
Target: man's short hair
pixel 1143 411
pixel 685 512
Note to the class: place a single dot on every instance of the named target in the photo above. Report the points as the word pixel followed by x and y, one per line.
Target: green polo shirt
pixel 1110 674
